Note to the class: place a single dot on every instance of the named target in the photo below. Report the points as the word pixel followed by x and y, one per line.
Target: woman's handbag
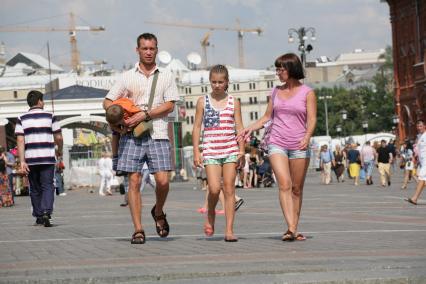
pixel 145 127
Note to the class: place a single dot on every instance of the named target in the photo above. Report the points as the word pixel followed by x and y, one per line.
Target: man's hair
pixel 291 62
pixel 383 141
pixel 147 36
pixel 34 97
pixel 114 114
pixel 420 121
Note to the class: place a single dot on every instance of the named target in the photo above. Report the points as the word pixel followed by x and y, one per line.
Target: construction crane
pixel 204 42
pixel 72 30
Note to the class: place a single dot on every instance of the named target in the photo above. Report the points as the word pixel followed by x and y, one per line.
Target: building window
pixel 191 104
pixel 270 84
pixel 15 94
pixel 251 115
pixel 257 132
pixel 267 99
pixel 239 99
pixel 251 100
pixel 204 89
pixel 254 86
pixel 255 115
pixel 255 100
pixel 186 104
pixel 192 119
pixel 187 120
pixel 236 87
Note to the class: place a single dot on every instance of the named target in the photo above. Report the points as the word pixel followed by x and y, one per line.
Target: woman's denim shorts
pixel 291 154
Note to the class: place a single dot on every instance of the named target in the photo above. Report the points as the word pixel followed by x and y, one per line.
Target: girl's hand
pixel 244 135
pixel 198 161
pixel 304 143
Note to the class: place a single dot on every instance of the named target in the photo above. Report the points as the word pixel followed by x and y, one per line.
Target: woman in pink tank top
pixel 293 112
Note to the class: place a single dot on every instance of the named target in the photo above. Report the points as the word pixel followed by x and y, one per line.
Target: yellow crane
pixel 204 42
pixel 72 30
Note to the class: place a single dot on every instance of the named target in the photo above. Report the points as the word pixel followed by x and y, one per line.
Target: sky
pixel 341 26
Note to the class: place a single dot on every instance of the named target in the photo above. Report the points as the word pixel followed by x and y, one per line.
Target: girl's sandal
pixel 138 238
pixel 162 231
pixel 208 230
pixel 288 236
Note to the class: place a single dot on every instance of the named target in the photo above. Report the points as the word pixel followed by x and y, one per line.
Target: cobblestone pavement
pixel 365 234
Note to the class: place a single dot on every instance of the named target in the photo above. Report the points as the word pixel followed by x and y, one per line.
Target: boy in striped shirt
pixel 37 133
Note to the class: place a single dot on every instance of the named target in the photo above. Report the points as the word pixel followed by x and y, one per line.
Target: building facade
pixel 408 20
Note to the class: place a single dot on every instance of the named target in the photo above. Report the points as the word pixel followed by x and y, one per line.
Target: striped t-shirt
pixel 38 126
pixel 219 135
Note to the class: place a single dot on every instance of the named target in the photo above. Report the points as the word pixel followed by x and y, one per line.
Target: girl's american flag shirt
pixel 219 136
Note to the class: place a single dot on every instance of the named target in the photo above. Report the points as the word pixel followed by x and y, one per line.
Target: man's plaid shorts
pixel 133 152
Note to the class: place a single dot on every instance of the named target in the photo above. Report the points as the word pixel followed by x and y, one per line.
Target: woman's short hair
pixel 292 64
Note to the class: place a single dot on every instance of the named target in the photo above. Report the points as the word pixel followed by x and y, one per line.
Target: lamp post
pixel 325 98
pixel 344 114
pixel 365 127
pixel 339 130
pixel 302 34
pixel 395 121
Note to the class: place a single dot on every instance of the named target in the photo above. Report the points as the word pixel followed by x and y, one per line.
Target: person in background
pixel 354 161
pixel 326 163
pixel 10 165
pixel 106 173
pixel 368 157
pixel 407 163
pixel 384 159
pixel 6 199
pixel 340 161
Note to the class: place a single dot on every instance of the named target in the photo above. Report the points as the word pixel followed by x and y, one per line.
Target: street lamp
pixel 302 34
pixel 325 98
pixel 365 127
pixel 395 119
pixel 344 114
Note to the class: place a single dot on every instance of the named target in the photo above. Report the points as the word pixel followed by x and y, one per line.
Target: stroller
pixel 265 172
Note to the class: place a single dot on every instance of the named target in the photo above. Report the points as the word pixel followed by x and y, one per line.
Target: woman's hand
pixel 304 143
pixel 240 160
pixel 198 161
pixel 244 135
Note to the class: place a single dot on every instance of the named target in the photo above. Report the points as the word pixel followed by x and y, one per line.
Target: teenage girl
pixel 220 115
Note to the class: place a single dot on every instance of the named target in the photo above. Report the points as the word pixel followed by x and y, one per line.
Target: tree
pixel 187 139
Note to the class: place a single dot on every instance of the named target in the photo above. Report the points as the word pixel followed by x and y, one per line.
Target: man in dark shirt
pixel 384 159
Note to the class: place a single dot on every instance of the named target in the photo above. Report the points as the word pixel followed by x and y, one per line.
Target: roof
pixel 39 60
pixel 77 92
pixel 176 66
pixel 360 57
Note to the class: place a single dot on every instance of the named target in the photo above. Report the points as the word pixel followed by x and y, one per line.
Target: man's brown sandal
pixel 138 238
pixel 162 231
pixel 288 236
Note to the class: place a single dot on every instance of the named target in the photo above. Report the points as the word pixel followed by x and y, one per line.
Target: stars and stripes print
pixel 219 135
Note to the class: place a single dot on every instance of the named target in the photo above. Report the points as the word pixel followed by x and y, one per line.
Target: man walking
pixel 421 160
pixel 384 159
pixel 37 133
pixel 154 147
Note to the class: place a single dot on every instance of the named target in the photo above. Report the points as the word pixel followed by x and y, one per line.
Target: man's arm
pixel 21 152
pixel 161 111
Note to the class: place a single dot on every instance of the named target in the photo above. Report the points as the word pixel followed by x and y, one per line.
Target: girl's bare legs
pixel 406 177
pixel 280 166
pixel 250 179
pixel 298 169
pixel 245 179
pixel 229 194
pixel 214 177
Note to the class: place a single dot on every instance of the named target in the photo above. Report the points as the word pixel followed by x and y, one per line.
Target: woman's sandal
pixel 162 231
pixel 231 239
pixel 300 237
pixel 138 237
pixel 288 236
